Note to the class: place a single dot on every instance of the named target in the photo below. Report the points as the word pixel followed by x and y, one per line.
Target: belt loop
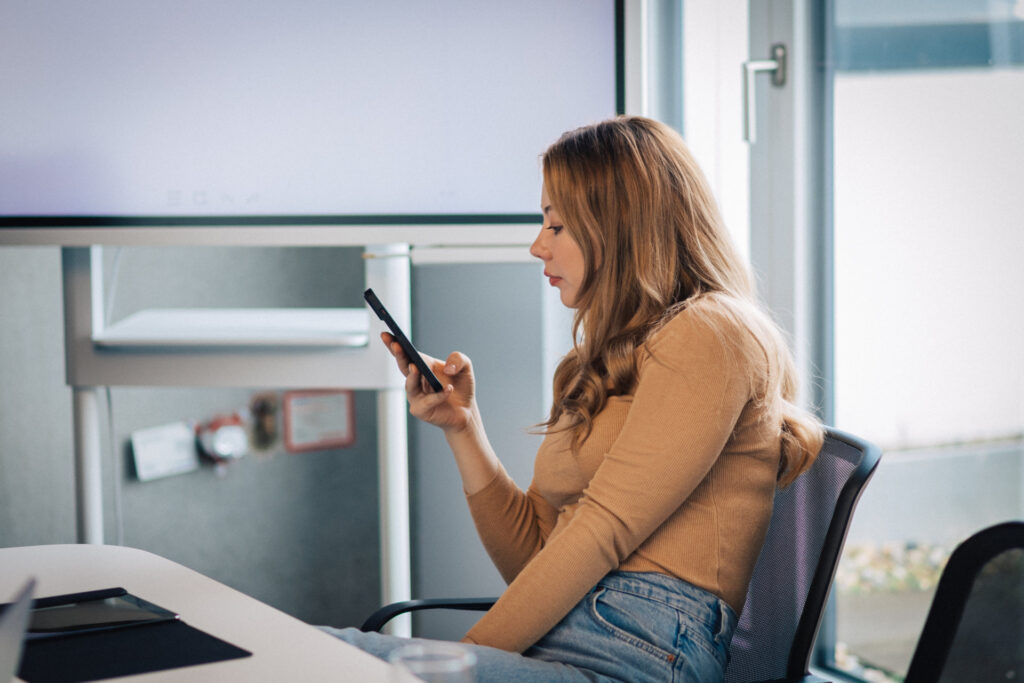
pixel 725 626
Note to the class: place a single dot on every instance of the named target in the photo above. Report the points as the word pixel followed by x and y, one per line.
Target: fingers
pixel 413 382
pixel 423 399
pixel 457 362
pixel 416 385
pixel 393 346
pixel 395 349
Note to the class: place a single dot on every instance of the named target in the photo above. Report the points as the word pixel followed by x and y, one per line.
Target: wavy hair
pixel 634 199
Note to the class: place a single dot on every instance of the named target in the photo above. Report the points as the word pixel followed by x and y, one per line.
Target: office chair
pixel 975 627
pixel 793 575
pixel 789 589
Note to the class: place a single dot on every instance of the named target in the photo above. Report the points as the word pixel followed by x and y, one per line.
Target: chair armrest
pixel 806 678
pixel 386 613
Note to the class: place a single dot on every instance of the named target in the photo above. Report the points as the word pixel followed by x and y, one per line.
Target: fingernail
pixel 451 367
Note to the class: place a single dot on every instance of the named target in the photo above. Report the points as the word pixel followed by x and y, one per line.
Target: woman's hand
pixel 454 407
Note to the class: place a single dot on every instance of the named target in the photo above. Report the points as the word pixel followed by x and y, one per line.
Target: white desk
pixel 283 648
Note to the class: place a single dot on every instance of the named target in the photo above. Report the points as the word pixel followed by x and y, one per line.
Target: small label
pixel 318 420
pixel 163 451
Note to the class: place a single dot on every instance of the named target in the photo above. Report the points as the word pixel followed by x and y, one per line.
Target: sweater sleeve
pixel 512 525
pixel 689 396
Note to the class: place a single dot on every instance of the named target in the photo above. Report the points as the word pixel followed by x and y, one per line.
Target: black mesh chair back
pixel 791 582
pixel 975 627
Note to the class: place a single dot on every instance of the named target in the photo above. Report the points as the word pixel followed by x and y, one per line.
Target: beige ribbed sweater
pixel 677 478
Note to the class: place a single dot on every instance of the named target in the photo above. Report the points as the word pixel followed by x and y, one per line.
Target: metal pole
pixel 388 273
pixel 88 467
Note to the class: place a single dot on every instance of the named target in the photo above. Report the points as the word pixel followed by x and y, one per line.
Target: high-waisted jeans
pixel 632 627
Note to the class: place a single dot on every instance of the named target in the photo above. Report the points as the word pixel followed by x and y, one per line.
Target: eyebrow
pixel 547 208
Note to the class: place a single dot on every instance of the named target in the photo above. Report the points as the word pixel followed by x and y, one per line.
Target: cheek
pixel 578 264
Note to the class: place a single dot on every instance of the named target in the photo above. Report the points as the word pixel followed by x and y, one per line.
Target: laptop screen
pixel 13 622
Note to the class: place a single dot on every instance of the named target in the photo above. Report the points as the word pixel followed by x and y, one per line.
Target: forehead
pixel 545 202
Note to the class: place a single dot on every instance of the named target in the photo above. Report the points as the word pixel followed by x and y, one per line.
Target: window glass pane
pixel 929 282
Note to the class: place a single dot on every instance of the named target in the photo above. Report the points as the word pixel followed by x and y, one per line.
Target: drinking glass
pixel 433 663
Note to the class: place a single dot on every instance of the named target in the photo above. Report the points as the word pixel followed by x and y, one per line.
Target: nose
pixel 538 248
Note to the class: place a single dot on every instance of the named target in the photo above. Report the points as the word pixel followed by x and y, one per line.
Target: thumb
pixel 456 363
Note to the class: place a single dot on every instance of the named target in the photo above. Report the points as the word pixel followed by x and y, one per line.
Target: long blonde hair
pixel 634 199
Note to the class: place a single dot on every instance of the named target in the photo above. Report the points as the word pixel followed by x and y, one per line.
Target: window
pixel 928 251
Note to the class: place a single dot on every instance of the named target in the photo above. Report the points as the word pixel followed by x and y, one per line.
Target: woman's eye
pixel 555 228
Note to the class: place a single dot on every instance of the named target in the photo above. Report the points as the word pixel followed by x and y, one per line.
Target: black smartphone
pixel 403 341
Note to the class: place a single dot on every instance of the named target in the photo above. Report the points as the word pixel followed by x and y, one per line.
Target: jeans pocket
pixel 648 625
pixel 696 631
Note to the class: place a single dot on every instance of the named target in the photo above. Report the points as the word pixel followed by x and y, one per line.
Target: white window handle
pixel 777 67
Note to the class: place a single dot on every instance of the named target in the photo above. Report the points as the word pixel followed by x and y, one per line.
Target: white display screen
pixel 192 108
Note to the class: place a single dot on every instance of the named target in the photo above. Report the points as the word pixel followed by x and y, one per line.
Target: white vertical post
pixel 88 468
pixel 388 273
pixel 393 468
pixel 637 92
pixel 82 270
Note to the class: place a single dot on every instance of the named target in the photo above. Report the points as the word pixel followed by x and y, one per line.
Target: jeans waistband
pixel 680 594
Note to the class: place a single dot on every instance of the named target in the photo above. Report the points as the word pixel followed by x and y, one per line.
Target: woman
pixel 673 422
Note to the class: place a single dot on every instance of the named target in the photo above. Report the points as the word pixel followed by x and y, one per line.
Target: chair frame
pixel 798 662
pixel 951 596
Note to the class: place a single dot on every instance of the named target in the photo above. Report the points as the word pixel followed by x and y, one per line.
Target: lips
pixel 553 279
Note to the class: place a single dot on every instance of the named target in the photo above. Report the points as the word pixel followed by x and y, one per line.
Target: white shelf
pixel 239 327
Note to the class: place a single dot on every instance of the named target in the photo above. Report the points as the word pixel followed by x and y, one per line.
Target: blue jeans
pixel 630 627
